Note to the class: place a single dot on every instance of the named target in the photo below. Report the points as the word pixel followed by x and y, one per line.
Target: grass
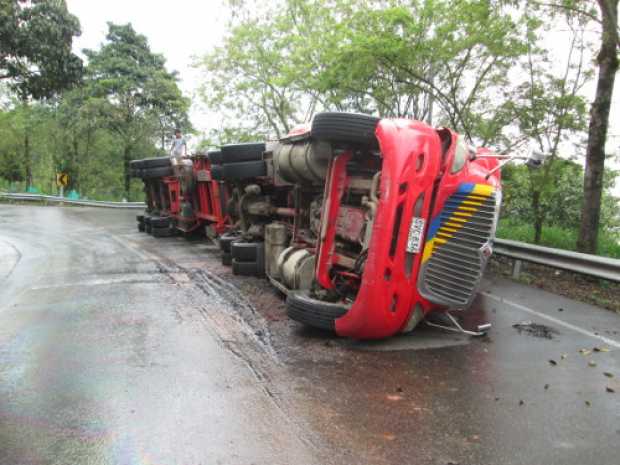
pixel 556 237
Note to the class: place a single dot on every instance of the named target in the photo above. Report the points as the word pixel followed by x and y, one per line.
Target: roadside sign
pixel 62 179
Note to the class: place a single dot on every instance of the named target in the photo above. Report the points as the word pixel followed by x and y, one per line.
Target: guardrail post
pixel 516 269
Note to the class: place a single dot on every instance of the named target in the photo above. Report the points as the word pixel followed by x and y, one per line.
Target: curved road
pixel 118 348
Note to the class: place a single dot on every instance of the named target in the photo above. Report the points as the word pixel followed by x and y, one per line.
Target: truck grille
pixel 458 246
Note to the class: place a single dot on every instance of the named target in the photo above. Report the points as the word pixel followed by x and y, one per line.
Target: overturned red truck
pixel 366 224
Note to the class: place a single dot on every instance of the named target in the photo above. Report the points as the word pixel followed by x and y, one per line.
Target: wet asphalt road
pixel 118 348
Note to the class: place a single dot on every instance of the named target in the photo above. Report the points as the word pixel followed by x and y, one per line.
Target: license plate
pixel 416 231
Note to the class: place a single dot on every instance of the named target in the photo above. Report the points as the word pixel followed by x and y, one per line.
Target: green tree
pixel 246 80
pixel 558 203
pixel 607 61
pixel 35 54
pixel 138 98
pixel 603 13
pixel 425 59
pixel 550 112
pixel 78 120
pixel 35 46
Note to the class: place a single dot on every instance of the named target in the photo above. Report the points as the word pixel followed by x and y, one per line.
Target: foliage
pixel 557 237
pixel 559 201
pixel 424 59
pixel 135 94
pixel 35 47
pixel 125 108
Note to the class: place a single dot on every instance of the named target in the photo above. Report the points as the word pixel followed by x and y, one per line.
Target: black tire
pixel 226 259
pixel 246 251
pixel 225 240
pixel 215 157
pixel 245 268
pixel 156 172
pixel 148 228
pixel 163 232
pixel 347 128
pixel 159 162
pixel 244 170
pixel 160 222
pixel 312 312
pixel 238 153
pixel 141 227
pixel 140 218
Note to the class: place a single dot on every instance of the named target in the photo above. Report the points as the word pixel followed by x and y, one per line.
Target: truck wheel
pixel 159 172
pixel 237 153
pixel 244 268
pixel 226 259
pixel 162 232
pixel 244 170
pixel 160 222
pixel 247 251
pixel 159 162
pixel 148 228
pixel 312 312
pixel 345 128
pixel 225 240
pixel 141 227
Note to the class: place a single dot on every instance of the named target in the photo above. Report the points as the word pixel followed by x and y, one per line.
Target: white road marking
pixel 585 332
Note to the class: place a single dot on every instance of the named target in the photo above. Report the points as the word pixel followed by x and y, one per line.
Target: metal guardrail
pixel 63 200
pixel 592 265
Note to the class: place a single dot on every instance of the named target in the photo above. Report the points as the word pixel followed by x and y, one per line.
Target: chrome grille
pixel 460 246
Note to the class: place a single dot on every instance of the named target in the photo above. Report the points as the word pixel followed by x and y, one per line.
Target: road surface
pixel 119 348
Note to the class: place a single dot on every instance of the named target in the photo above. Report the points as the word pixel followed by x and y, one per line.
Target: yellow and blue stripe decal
pixel 453 217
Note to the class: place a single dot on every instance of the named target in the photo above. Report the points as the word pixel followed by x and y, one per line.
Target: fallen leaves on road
pixel 553 362
pixel 600 349
pixel 535 329
pixel 608 374
pixel 592 363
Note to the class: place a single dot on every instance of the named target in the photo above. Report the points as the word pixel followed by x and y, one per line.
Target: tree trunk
pixel 27 158
pixel 75 165
pixel 597 133
pixel 538 217
pixel 126 160
pixel 162 128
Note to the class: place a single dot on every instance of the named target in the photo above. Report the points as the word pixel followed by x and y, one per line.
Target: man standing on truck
pixel 178 150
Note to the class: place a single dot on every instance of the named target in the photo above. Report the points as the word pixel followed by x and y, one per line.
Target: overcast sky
pixel 180 30
pixel 184 29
